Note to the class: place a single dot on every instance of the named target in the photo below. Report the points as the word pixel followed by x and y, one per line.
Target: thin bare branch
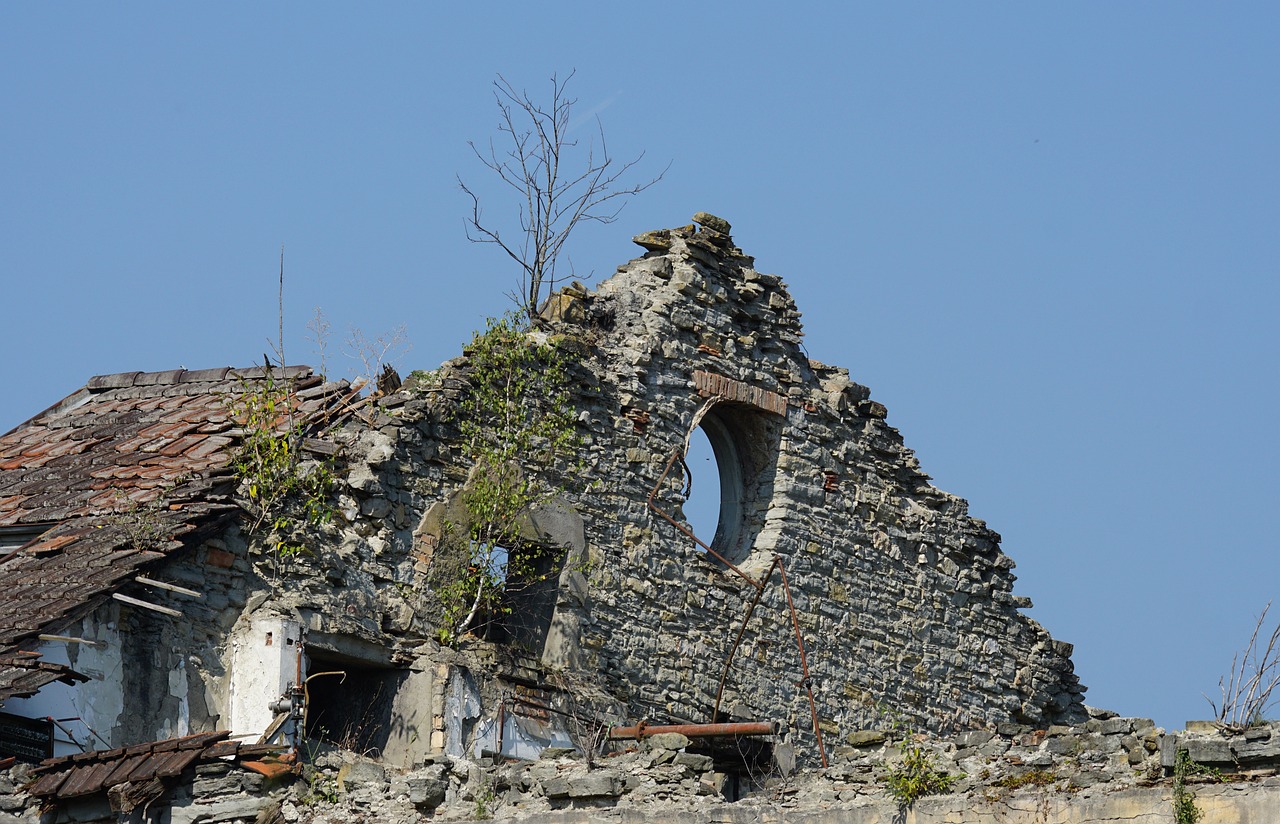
pixel 551 201
pixel 375 353
pixel 1248 685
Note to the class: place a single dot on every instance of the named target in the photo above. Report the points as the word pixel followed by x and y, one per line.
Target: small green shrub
pixel 1185 810
pixel 918 775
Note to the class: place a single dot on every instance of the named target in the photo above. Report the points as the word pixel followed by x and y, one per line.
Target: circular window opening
pixel 702 510
pixel 715 506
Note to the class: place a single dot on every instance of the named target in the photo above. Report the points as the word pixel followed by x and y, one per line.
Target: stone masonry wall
pixel 904 600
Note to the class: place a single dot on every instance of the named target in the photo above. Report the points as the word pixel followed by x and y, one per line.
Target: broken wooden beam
pixel 151 582
pixel 146 605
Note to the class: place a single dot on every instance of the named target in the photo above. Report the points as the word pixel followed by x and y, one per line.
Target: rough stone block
pixel 668 741
pixel 242 807
pixel 1116 726
pixel 426 792
pixel 1064 745
pixel 216 785
pixel 1256 752
pixel 1211 751
pixel 595 785
pixel 354 773
pixel 698 763
pixel 973 738
pixel 865 738
pixel 556 788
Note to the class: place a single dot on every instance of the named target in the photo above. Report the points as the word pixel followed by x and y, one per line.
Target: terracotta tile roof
pixel 99 770
pixel 23 674
pixel 123 441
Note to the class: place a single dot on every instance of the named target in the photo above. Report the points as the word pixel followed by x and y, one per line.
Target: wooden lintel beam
pixel 69 640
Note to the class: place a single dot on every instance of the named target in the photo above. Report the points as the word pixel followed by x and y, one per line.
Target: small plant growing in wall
pixel 281 492
pixel 516 422
pixel 918 774
pixel 1185 810
pixel 143 523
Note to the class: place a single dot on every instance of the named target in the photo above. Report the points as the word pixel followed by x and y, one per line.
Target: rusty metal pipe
pixel 697 730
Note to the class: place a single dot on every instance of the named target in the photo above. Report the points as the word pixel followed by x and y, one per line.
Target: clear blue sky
pixel 1045 235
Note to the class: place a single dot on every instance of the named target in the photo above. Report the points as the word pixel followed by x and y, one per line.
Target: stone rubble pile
pixel 1105 755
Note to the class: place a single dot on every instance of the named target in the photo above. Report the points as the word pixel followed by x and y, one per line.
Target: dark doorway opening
pixel 349 704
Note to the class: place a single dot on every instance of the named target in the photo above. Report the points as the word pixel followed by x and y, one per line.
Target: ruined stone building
pixel 138 605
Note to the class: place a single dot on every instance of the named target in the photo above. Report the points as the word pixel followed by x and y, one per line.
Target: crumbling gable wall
pixel 904 600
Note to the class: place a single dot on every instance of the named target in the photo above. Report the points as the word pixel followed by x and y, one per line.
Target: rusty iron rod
pixel 804 662
pixel 728 662
pixel 502 722
pixel 697 730
pixel 687 532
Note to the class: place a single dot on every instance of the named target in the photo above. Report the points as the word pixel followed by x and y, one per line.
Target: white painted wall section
pixel 264 664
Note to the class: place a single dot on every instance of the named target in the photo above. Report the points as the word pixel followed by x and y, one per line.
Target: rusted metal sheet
pixel 271 769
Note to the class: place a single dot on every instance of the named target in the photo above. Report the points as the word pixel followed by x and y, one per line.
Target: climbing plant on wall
pixel 280 491
pixel 515 423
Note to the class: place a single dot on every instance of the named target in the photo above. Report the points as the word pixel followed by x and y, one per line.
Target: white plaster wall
pixel 264 662
pixel 181 725
pixel 88 708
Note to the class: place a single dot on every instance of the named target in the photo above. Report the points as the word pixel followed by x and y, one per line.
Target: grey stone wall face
pixel 904 601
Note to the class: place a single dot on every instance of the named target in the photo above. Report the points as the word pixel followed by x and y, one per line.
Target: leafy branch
pixel 281 492
pixel 516 422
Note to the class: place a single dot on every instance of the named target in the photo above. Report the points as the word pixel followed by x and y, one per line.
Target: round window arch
pixel 732 456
